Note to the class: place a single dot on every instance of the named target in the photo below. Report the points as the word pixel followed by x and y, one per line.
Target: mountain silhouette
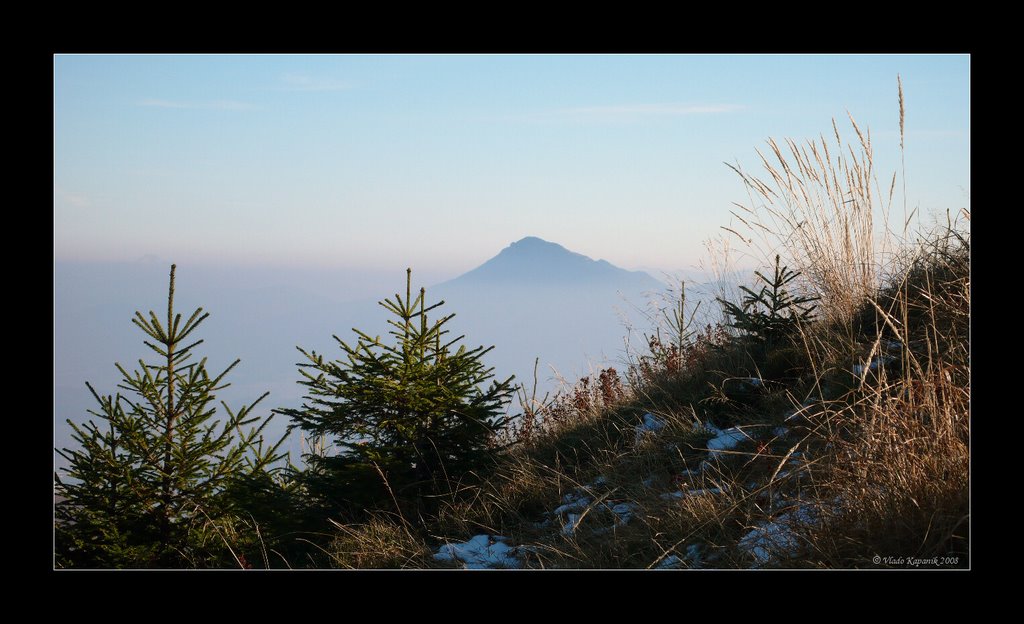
pixel 537 299
pixel 537 261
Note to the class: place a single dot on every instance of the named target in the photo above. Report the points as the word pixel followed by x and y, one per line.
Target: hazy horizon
pixel 574 320
pixel 379 162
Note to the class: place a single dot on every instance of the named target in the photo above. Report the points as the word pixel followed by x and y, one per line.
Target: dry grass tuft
pixel 820 209
pixel 381 543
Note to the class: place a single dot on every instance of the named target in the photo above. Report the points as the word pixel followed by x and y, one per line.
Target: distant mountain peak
pixel 534 246
pixel 537 261
pixel 533 241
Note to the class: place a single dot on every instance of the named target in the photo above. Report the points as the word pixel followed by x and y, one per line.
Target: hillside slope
pixel 844 447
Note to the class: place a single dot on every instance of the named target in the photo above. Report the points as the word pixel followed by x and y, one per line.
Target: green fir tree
pixel 151 484
pixel 772 314
pixel 408 418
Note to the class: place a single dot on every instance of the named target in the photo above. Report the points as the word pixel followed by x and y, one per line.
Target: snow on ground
pixel 726 441
pixel 770 540
pixel 793 464
pixel 696 492
pixel 876 362
pixel 778 538
pixel 573 503
pixel 693 552
pixel 624 512
pixel 703 491
pixel 576 503
pixel 572 521
pixel 480 552
pixel 670 563
pixel 651 424
pixel 691 560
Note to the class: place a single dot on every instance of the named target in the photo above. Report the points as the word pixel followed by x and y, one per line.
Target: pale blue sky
pixel 438 162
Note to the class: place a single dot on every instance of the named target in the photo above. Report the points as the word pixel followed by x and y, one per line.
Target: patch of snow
pixel 780 432
pixel 742 384
pixel 599 481
pixel 763 542
pixel 573 504
pixel 726 441
pixel 651 424
pixel 689 474
pixel 578 504
pixel 696 492
pixel 804 514
pixel 480 552
pixel 624 512
pixel 571 523
pixel 693 552
pixel 670 563
pixel 778 537
pixel 649 482
pixel 704 491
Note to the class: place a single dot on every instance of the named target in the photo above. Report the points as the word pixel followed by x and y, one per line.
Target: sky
pixel 439 161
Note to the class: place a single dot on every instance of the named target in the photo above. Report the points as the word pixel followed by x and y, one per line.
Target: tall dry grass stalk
pixel 820 206
pixel 900 463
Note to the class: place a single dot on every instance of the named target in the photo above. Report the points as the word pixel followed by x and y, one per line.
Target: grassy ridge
pixel 853 434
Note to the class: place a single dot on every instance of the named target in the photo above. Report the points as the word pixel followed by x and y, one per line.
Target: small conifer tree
pixel 150 484
pixel 773 313
pixel 414 411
